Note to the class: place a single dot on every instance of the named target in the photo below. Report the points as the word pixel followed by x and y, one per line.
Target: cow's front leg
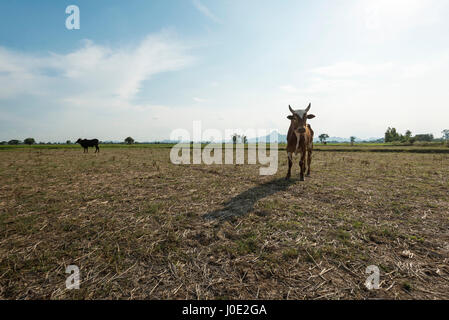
pixel 290 163
pixel 309 161
pixel 297 142
pixel 302 166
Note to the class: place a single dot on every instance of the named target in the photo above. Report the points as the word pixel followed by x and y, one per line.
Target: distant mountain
pixel 281 138
pixel 342 140
pixel 334 139
pixel 273 136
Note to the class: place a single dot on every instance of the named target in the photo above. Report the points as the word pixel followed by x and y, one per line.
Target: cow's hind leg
pixel 309 161
pixel 97 149
pixel 290 163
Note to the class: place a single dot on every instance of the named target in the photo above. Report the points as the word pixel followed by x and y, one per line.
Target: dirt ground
pixel 140 227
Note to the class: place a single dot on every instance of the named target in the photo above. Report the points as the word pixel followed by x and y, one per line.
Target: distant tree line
pixel 391 135
pixel 14 142
pixel 29 141
pixel 129 140
pixel 445 133
pixel 235 137
pixel 323 137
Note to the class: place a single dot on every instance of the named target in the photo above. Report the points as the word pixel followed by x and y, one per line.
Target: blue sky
pixel 145 68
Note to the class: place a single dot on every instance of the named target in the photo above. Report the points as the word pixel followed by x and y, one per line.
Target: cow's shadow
pixel 244 202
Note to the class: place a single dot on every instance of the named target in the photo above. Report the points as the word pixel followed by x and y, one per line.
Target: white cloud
pixel 389 19
pixel 288 88
pixel 352 98
pixel 88 90
pixel 400 13
pixel 352 69
pixel 205 11
pixel 91 71
pixel 89 93
pixel 196 99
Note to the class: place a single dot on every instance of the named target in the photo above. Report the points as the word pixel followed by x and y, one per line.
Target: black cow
pixel 85 143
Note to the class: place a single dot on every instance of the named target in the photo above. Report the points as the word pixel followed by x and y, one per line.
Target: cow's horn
pixel 308 108
pixel 293 111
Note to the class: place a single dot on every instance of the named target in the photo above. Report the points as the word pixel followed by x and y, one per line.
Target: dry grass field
pixel 140 227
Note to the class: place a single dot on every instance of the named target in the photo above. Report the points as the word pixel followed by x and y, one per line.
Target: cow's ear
pixel 310 116
pixel 290 117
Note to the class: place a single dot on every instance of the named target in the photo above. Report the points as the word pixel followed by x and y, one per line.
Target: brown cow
pixel 300 139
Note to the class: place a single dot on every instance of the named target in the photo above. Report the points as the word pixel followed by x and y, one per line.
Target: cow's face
pixel 299 118
pixel 78 141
